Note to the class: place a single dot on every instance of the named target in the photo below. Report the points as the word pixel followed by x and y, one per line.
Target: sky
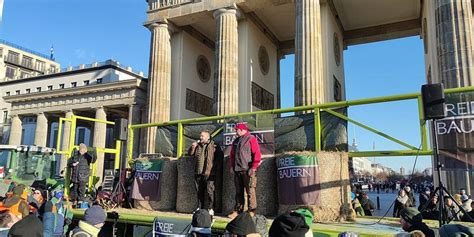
pixel 86 31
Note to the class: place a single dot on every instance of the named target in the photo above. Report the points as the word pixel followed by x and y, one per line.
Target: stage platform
pixel 365 226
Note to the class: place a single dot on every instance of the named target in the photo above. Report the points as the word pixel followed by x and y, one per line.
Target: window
pixel 50 88
pixel 7 93
pixel 5 116
pixel 17 92
pixel 38 89
pixel 337 89
pixel 10 72
pixel 73 84
pixel 52 68
pixel 27 62
pixel 1 52
pixel 61 86
pixel 99 81
pixel 86 82
pixel 81 135
pixel 13 57
pixel 28 91
pixel 24 74
pixel 40 65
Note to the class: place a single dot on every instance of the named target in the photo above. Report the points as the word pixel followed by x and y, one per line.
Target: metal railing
pixel 24 49
pixel 317 109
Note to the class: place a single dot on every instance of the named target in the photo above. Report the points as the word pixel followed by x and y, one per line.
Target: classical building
pixel 220 57
pixel 105 91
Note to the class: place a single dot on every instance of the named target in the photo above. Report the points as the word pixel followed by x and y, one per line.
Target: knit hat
pixel 241 126
pixel 289 224
pixel 407 188
pixel 242 225
pixel 411 215
pixel 95 215
pixel 308 216
pixel 19 189
pixel 201 222
pixel 455 230
pixel 464 198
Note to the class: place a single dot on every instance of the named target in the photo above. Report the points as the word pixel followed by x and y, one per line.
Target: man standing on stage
pixel 80 172
pixel 208 155
pixel 244 160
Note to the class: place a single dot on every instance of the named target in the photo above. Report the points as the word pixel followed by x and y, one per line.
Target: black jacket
pixel 81 172
pixel 28 226
pixel 423 228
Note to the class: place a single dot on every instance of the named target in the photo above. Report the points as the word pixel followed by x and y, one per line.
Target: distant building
pixel 359 165
pixel 402 170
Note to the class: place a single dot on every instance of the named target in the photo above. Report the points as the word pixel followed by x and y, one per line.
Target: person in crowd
pixel 293 223
pixel 451 210
pixel 357 207
pixel 7 220
pixel 412 220
pixel 431 211
pixel 30 225
pixel 90 226
pixel 410 195
pixel 462 191
pixel 457 198
pixel 402 201
pixel 208 155
pixel 455 230
pixel 367 204
pixel 244 160
pixel 201 223
pixel 242 225
pixel 424 198
pixel 80 172
pixel 17 203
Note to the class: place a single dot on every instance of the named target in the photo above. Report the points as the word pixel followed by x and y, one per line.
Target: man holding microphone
pixel 207 155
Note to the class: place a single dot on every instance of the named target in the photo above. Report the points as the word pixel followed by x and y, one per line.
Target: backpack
pixel 260 224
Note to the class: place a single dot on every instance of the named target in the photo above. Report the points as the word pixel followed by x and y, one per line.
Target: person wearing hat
pixel 410 195
pixel 242 225
pixel 201 223
pixel 207 157
pixel 292 223
pixel 94 219
pixel 244 160
pixel 80 172
pixel 411 220
pixel 17 203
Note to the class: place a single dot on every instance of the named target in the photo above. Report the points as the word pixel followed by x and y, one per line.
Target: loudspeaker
pixel 121 129
pixel 433 101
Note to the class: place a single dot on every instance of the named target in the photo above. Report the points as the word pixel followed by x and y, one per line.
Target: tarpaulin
pixel 146 182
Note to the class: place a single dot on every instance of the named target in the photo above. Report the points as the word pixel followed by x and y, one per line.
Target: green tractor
pixel 30 165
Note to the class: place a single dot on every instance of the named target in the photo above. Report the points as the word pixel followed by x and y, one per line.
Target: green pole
pixel 180 146
pixel 130 144
pixel 317 129
pixel 423 131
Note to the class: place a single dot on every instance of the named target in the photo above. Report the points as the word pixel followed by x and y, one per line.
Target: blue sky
pixel 84 31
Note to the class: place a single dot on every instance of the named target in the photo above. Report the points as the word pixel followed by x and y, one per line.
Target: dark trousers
pixel 78 191
pixel 245 184
pixel 205 190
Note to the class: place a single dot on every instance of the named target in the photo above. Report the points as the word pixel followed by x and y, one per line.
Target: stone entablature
pixel 109 95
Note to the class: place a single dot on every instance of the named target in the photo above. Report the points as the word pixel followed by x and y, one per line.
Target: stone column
pixel 159 83
pixel 41 133
pixel 15 131
pixel 65 139
pixel 309 81
pixel 226 69
pixel 134 117
pixel 454 42
pixel 99 139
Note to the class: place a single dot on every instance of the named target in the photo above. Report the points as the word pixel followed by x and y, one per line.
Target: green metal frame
pixel 327 107
pixel 71 146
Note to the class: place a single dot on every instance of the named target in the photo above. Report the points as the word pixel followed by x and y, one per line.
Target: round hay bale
pixel 334 187
pixel 168 186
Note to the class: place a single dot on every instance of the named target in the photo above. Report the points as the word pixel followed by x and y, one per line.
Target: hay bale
pixel 267 196
pixel 168 185
pixel 187 195
pixel 334 188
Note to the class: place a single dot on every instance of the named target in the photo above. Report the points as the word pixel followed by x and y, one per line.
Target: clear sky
pixel 85 31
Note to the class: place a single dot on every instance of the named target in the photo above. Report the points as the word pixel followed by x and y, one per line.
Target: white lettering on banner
pixel 461 108
pixel 148 175
pixel 454 126
pixel 294 173
pixel 287 161
pixel 165 227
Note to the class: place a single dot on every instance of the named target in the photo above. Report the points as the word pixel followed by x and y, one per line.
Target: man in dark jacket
pixel 207 156
pixel 80 172
pixel 411 220
pixel 424 199
pixel 244 160
pixel 28 226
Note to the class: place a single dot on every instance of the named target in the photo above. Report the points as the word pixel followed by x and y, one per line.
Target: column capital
pixel 228 10
pixel 162 23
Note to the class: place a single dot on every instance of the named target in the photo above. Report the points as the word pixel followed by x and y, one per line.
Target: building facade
pixel 105 91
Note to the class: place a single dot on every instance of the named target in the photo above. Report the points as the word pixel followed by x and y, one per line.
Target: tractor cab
pixel 26 165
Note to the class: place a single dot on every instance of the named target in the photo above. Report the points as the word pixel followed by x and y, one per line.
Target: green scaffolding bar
pixel 180 146
pixel 370 129
pixel 423 131
pixel 130 144
pixel 317 129
pixel 390 153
